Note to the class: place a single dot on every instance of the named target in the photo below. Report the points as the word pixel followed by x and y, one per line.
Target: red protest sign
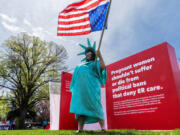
pixel 141 90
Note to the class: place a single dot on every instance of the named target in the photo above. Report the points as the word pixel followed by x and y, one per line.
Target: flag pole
pixel 102 33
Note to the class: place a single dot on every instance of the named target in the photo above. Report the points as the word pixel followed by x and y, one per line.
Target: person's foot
pixel 103 130
pixel 79 131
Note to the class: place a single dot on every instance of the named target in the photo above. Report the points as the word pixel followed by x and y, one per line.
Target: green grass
pixel 109 132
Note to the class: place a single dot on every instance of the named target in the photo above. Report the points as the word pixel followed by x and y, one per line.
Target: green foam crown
pixel 87 47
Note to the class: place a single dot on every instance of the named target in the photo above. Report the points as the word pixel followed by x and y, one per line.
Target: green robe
pixel 86 91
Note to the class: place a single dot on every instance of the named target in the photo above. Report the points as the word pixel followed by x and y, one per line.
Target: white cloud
pixel 40 32
pixel 27 22
pixel 12 28
pixel 7 18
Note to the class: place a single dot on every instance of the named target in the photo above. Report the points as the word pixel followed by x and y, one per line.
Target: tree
pixel 26 64
pixel 4 108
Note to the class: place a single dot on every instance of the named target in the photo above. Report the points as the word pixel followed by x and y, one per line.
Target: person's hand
pixel 98 53
pixel 101 61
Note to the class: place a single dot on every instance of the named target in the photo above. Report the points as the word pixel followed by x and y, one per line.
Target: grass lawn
pixel 67 132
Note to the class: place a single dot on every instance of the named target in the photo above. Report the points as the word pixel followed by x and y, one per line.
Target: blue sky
pixel 133 26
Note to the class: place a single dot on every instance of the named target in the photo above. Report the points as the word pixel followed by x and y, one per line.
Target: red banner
pixel 142 90
pixel 67 119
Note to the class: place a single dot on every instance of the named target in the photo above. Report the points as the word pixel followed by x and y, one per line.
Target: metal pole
pixel 102 33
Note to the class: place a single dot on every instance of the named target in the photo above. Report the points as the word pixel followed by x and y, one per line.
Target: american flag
pixel 82 17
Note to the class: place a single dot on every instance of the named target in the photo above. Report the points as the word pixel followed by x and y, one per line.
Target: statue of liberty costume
pixel 86 89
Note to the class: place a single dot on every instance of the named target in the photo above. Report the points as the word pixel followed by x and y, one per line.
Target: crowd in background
pixel 7 125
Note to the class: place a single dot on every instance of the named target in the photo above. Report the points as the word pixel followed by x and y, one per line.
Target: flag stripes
pixel 74 19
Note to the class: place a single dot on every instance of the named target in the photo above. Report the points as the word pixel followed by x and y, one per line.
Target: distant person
pixel 13 125
pixel 45 124
pixel 4 122
pixel 8 124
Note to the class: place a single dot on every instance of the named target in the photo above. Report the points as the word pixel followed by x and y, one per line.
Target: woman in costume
pixel 86 89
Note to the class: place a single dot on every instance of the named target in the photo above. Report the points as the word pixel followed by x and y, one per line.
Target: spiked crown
pixel 87 48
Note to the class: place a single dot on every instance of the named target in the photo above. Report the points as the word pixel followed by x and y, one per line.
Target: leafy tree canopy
pixel 27 65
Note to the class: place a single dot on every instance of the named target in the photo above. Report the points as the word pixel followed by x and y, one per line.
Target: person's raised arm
pixel 101 61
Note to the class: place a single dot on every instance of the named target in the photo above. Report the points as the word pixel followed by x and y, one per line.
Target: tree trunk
pixel 21 119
